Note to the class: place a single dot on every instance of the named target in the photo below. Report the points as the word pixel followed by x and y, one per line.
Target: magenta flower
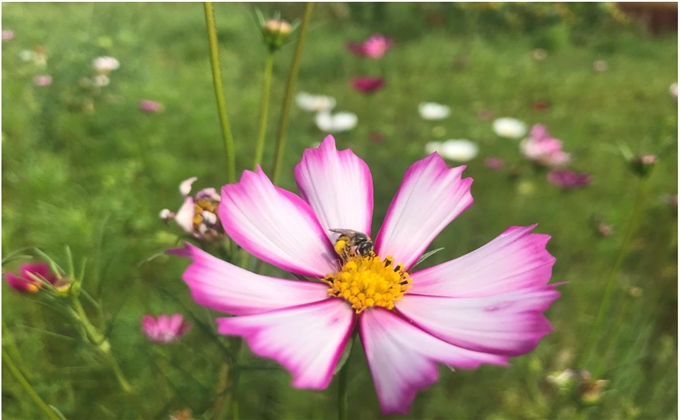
pixel 7 35
pixel 368 84
pixel 150 107
pixel 542 149
pixel 569 180
pixel 24 280
pixel 483 307
pixel 42 80
pixel 198 214
pixel 374 47
pixel 166 328
pixel 494 163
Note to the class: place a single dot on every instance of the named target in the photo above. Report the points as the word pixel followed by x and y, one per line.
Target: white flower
pixel 674 90
pixel 342 121
pixel 509 127
pixel 456 150
pixel 316 103
pixel 433 111
pixel 105 64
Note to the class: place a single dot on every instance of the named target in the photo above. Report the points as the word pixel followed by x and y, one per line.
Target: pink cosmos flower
pixel 483 307
pixel 494 163
pixel 198 214
pixel 367 84
pixel 24 282
pixel 42 80
pixel 374 47
pixel 166 328
pixel 540 148
pixel 7 35
pixel 150 107
pixel 569 180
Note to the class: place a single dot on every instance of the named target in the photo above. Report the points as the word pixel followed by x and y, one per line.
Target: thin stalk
pixel 27 386
pixel 264 108
pixel 211 26
pixel 288 97
pixel 102 344
pixel 609 288
pixel 227 384
pixel 343 376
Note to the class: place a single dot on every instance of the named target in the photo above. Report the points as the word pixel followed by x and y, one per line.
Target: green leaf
pixel 57 412
pixel 426 256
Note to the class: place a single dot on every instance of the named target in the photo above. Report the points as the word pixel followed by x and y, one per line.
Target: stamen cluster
pixel 367 281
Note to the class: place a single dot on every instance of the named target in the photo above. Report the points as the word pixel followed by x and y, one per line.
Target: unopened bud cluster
pixel 276 33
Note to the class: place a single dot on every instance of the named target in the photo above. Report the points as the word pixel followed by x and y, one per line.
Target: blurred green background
pixel 93 172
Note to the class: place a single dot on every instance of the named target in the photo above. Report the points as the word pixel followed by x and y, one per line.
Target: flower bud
pixel 642 165
pixel 276 33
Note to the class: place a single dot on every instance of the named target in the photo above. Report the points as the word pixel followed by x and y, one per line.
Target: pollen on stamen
pixel 367 281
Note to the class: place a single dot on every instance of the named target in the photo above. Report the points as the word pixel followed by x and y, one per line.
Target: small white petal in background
pixel 674 91
pixel 315 103
pixel 455 150
pixel 433 111
pixel 459 150
pixel 335 123
pixel 510 128
pixel 105 64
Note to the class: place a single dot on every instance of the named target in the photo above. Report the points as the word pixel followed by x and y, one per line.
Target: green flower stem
pixel 609 288
pixel 219 90
pixel 102 344
pixel 27 386
pixel 264 108
pixel 227 384
pixel 288 98
pixel 343 376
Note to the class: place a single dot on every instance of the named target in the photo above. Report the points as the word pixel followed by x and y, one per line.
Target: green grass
pixel 97 181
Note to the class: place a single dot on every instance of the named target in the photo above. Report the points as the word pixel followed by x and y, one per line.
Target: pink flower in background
pixel 481 308
pixel 494 163
pixel 42 80
pixel 540 148
pixel 198 214
pixel 7 35
pixel 374 47
pixel 150 107
pixel 166 328
pixel 368 84
pixel 569 180
pixel 23 281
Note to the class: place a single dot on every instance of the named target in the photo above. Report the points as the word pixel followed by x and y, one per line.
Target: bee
pixel 351 243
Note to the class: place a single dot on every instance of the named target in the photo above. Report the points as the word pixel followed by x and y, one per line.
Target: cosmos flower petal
pixel 224 287
pixel 276 226
pixel 307 340
pixel 403 358
pixel 509 323
pixel 431 195
pixel 515 259
pixel 332 182
pixel 185 215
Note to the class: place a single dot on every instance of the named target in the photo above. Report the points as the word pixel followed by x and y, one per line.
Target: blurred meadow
pixel 84 166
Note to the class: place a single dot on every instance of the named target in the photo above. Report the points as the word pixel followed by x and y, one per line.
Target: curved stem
pixel 609 288
pixel 264 108
pixel 219 90
pixel 288 98
pixel 29 389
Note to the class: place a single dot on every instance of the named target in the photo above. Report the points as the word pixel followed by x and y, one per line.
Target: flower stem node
pixel 367 281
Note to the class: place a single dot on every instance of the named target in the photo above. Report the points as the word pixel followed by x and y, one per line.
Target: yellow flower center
pixel 203 205
pixel 366 281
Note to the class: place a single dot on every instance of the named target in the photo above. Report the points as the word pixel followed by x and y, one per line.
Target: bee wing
pixel 346 232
